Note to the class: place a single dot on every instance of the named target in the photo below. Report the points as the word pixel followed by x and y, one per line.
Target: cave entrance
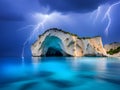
pixel 53 52
pixel 53 46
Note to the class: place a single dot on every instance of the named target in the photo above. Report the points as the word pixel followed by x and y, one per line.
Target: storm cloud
pixel 75 6
pixel 18 10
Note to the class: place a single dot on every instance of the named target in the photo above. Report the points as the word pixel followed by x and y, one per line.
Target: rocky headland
pixel 113 49
pixel 56 42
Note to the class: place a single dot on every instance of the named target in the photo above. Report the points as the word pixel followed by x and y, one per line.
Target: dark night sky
pixel 75 16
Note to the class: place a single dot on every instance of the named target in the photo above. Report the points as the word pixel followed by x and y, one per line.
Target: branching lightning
pixel 41 20
pixel 36 29
pixel 107 15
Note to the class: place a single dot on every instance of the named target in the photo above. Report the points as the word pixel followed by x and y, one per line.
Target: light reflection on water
pixel 59 73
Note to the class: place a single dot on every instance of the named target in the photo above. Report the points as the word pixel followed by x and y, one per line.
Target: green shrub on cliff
pixel 114 51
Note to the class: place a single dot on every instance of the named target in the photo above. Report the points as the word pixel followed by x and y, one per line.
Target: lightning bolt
pixel 97 14
pixel 107 15
pixel 36 29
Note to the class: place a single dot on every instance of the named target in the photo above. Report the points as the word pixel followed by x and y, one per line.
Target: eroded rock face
pixel 55 42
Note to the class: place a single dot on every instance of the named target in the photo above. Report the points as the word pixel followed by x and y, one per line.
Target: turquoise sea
pixel 60 73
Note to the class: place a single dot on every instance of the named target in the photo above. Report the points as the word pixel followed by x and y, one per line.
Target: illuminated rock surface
pixel 55 42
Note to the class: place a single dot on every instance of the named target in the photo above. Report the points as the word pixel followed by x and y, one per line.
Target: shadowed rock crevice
pixel 53 52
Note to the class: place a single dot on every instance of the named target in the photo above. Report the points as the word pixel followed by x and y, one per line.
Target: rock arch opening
pixel 53 46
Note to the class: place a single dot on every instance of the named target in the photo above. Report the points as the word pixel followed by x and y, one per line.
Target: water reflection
pixel 101 64
pixel 79 63
pixel 36 61
pixel 75 63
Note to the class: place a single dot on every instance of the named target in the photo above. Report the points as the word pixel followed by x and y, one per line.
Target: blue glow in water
pixel 60 73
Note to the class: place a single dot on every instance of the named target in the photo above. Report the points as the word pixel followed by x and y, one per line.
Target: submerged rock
pixel 55 42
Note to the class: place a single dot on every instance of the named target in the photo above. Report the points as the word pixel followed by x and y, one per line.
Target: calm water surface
pixel 60 73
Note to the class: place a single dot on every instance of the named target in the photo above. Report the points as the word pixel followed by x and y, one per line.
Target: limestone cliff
pixel 55 42
pixel 113 49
